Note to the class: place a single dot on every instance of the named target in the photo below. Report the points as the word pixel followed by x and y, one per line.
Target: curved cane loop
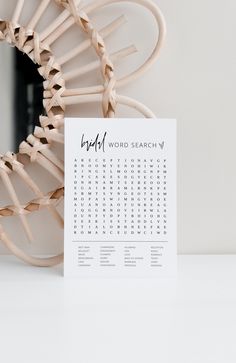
pixel 73 96
pixel 18 167
pixel 4 174
pixel 40 262
pixel 107 68
pixel 37 147
pixel 160 20
pixel 28 41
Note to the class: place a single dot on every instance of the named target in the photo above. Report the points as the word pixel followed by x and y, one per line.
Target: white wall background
pixel 193 81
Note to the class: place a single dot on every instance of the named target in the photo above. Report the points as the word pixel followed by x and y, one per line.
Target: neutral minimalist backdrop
pixel 193 81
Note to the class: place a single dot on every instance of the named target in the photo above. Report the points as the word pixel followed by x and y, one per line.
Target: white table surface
pixel 47 318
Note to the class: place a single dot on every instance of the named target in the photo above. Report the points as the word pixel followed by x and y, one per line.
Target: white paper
pixel 120 197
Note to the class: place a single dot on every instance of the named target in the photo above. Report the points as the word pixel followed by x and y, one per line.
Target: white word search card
pixel 120 197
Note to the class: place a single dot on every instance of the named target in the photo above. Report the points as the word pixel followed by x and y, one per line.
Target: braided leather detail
pixel 107 68
pixel 34 205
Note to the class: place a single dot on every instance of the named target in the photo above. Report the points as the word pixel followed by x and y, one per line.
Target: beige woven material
pixel 57 97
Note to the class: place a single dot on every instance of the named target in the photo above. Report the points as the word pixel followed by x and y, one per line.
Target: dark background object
pixel 28 97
